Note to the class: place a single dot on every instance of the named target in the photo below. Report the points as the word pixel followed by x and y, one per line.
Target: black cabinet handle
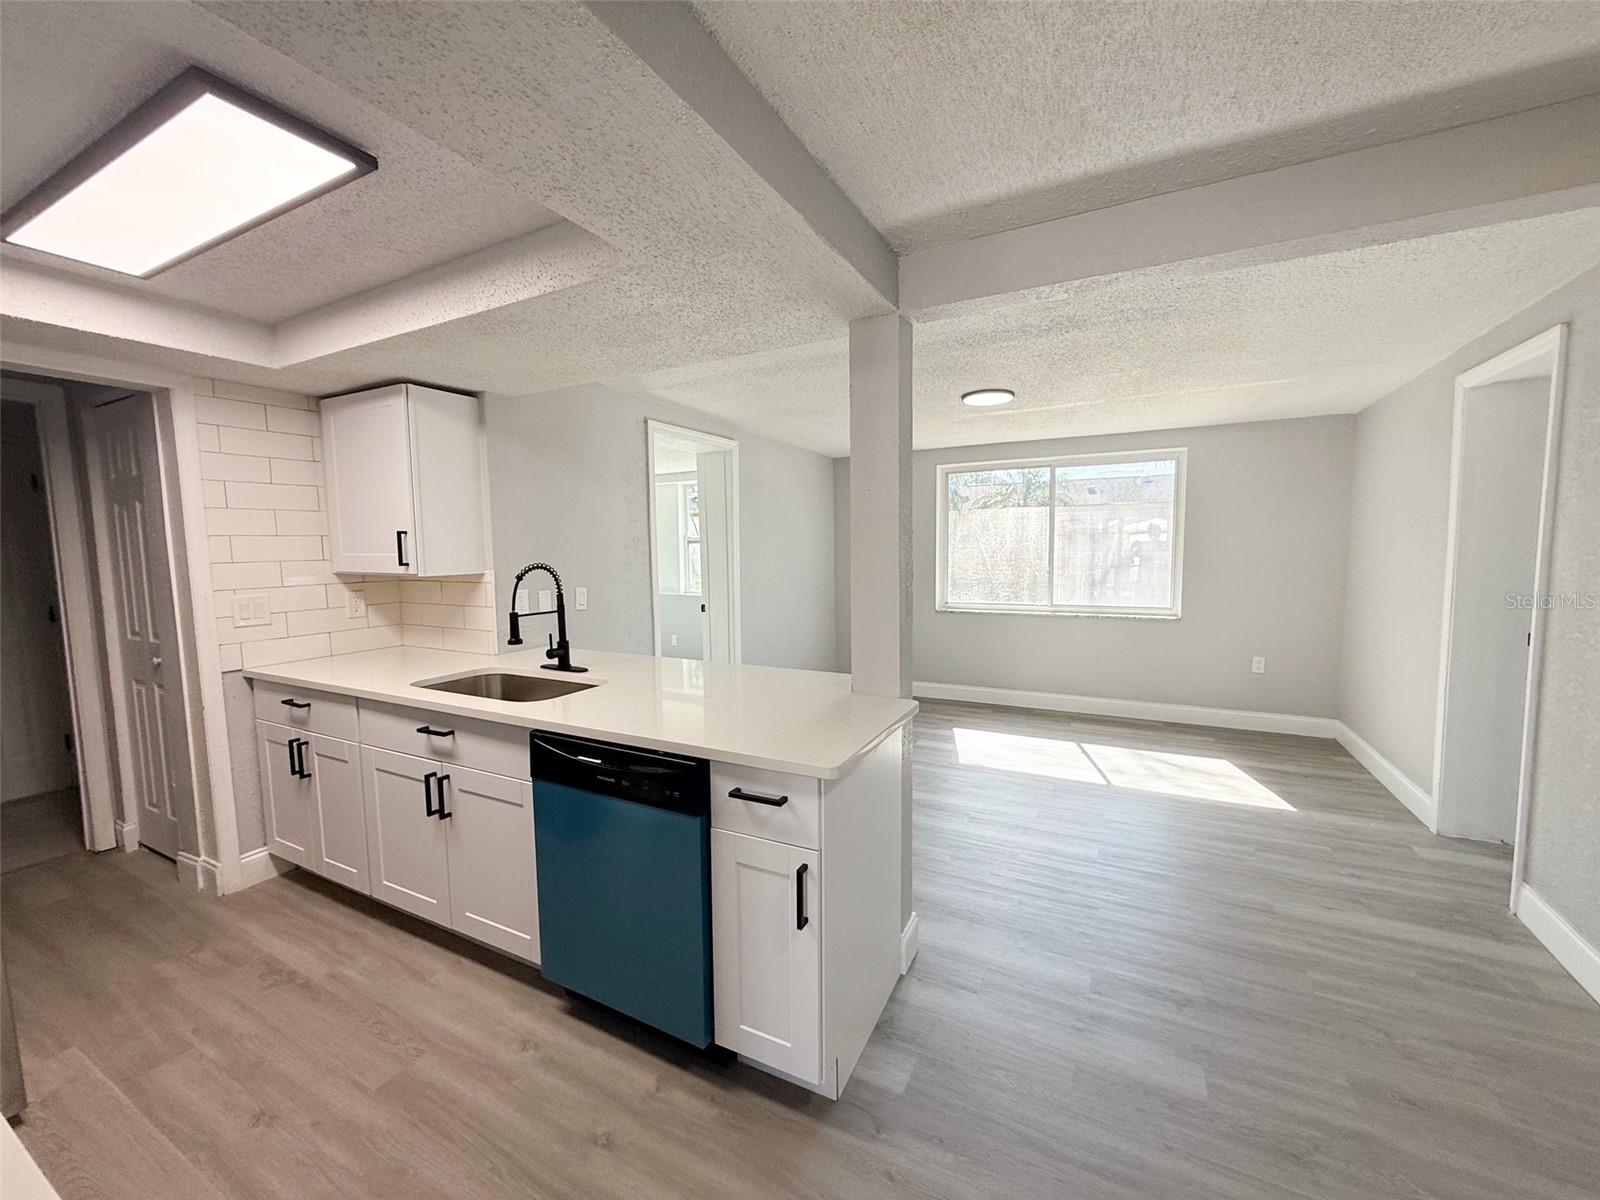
pixel 294 767
pixel 444 813
pixel 400 547
pixel 432 732
pixel 427 793
pixel 292 703
pixel 297 758
pixel 755 798
pixel 800 918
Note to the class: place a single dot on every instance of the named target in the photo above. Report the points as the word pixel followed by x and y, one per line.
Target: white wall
pixel 567 483
pixel 1264 562
pixel 1396 595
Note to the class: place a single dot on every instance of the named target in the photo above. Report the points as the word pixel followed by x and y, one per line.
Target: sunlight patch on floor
pixel 1185 776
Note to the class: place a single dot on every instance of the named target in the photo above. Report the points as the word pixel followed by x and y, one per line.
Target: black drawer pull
pixel 296 703
pixel 444 813
pixel 432 732
pixel 427 793
pixel 801 920
pixel 755 798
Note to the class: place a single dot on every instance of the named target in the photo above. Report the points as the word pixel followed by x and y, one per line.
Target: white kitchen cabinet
pixel 341 833
pixel 494 894
pixel 404 472
pixel 407 845
pixel 767 950
pixel 290 799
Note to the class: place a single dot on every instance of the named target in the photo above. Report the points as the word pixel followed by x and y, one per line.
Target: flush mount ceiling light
pixel 988 397
pixel 199 162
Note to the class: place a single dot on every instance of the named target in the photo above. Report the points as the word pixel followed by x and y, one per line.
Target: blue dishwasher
pixel 622 837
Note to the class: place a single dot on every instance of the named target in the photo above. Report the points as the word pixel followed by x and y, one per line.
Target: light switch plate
pixel 250 609
pixel 355 604
pixel 583 598
pixel 1258 665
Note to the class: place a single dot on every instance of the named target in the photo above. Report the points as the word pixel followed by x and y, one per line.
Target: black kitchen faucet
pixel 559 648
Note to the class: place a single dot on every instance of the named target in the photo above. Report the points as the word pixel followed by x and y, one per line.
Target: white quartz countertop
pixel 805 722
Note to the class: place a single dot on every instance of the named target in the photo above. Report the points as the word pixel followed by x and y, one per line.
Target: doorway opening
pixel 111 670
pixel 1502 482
pixel 694 543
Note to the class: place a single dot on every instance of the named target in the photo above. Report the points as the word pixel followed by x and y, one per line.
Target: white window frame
pixel 1179 454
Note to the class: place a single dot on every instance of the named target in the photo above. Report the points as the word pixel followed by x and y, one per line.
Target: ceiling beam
pixel 669 39
pixel 1528 164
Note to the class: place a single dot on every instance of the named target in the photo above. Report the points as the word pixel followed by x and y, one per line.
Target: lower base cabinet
pixel 453 846
pixel 767 952
pixel 314 812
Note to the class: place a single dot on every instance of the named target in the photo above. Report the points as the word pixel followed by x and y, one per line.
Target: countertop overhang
pixel 781 719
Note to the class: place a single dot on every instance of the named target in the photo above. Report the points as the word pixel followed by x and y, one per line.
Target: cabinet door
pixel 447 481
pixel 494 894
pixel 366 445
pixel 766 941
pixel 290 801
pixel 335 767
pixel 407 850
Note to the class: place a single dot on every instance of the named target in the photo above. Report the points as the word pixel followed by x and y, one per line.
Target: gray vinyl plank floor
pixel 1157 961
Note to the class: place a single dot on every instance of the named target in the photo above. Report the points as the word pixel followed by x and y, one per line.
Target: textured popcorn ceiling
pixel 72 70
pixel 947 121
pixel 1165 349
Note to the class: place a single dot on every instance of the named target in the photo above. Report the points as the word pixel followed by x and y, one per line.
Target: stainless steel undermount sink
pixel 517 689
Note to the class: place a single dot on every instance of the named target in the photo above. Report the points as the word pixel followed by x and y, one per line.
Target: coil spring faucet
pixel 559 649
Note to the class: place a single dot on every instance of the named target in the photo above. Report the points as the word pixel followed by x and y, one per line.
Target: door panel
pixel 768 970
pixel 407 850
pixel 129 516
pixel 493 888
pixel 335 767
pixel 290 801
pixel 367 445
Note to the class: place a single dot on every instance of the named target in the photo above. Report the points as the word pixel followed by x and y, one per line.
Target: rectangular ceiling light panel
pixel 198 163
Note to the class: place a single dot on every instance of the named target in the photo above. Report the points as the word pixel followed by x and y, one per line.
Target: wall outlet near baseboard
pixel 1258 665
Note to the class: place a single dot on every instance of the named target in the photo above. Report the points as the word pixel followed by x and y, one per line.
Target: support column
pixel 880 533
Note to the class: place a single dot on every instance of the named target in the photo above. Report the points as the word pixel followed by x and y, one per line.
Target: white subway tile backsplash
pixel 230 657
pixel 465 593
pixel 206 436
pixel 257 654
pixel 353 641
pixel 220 550
pixel 383 614
pixel 276 549
pixel 292 420
pixel 475 641
pixel 381 591
pixel 297 599
pixel 272 495
pixel 267 445
pixel 215 493
pixel 421 635
pixel 240 520
pixel 231 467
pixel 259 395
pixel 320 571
pixel 277 627
pixel 443 615
pixel 246 575
pixel 323 620
pixel 478 618
pixel 303 523
pixel 420 591
pixel 286 470
pixel 218 411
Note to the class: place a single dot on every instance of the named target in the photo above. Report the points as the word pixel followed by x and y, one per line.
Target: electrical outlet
pixel 545 599
pixel 355 604
pixel 1258 665
pixel 583 598
pixel 251 609
pixel 674 639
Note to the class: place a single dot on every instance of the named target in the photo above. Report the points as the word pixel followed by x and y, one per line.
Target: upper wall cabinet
pixel 405 482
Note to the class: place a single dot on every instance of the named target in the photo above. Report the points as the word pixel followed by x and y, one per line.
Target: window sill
pixel 1111 614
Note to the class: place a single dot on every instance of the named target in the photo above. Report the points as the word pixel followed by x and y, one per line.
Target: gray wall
pixel 1396 596
pixel 1264 564
pixel 841 560
pixel 567 484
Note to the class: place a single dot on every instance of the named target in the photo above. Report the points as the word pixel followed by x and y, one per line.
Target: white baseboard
pixel 1400 785
pixel 1566 944
pixel 203 873
pixel 909 941
pixel 1137 710
pixel 128 836
pixel 258 866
